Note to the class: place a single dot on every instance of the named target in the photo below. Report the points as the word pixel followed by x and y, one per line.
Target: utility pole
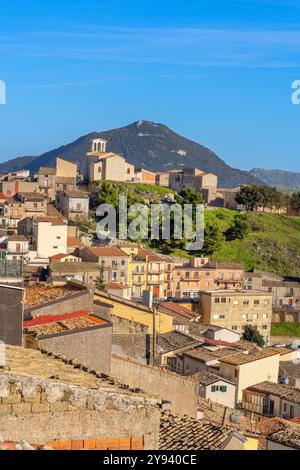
pixel 154 338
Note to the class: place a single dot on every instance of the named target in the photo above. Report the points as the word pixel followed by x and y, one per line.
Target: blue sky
pixel 216 71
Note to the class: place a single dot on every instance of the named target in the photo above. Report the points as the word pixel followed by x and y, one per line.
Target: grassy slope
pixel 285 329
pixel 272 244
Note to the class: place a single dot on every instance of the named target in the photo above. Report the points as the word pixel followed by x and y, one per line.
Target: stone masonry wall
pixel 74 303
pixel 38 410
pixel 181 391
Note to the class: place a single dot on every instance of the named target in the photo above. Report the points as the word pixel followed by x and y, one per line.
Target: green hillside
pixel 272 244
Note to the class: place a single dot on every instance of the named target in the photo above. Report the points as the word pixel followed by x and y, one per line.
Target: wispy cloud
pixel 172 46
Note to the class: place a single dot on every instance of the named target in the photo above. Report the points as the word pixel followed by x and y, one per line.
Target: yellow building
pixel 135 312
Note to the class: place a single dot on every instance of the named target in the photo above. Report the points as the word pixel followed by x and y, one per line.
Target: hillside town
pixel 113 345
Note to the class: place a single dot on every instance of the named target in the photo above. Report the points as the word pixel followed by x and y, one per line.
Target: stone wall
pixel 74 303
pixel 39 410
pixel 121 326
pixel 91 347
pixel 166 385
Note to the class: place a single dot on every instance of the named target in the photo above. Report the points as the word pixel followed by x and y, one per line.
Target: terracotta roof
pixel 74 242
pixel 178 309
pixel 52 220
pixel 207 355
pixel 284 391
pixel 152 257
pixel 31 196
pixel 116 285
pixel 59 256
pixel 287 437
pixel 241 358
pixel 54 324
pixel 107 251
pixel 39 294
pixel 205 377
pixel 186 433
pixel 52 211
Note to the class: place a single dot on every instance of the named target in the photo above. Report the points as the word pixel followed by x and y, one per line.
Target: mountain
pixel 16 164
pixel 147 145
pixel 279 178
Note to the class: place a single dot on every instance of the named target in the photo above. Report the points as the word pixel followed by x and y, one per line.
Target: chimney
pixel 225 417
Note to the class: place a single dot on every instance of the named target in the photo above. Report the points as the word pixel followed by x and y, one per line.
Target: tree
pixel 295 202
pixel 250 197
pixel 100 283
pixel 238 229
pixel 213 238
pixel 251 334
pixel 190 196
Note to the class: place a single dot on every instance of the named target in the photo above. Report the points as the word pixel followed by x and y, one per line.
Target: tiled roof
pixel 115 285
pixel 186 433
pixel 52 220
pixel 287 437
pixel 241 358
pixel 59 256
pixel 52 211
pixel 280 390
pixel 205 377
pixel 62 323
pixel 73 266
pixel 74 242
pixel 77 194
pixel 174 340
pixel 207 355
pixel 31 196
pixel 178 309
pixel 17 238
pixel 152 257
pixel 31 362
pixel 107 251
pixel 40 295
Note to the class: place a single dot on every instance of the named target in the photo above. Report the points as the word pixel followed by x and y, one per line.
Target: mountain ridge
pixel 146 144
pixel 275 177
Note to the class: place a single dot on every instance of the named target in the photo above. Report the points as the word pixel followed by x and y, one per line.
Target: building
pixel 50 401
pixel 221 334
pixel 74 205
pixel 201 358
pixel 49 236
pixel 65 258
pixel 235 310
pixel 113 261
pixel 14 248
pixel 155 272
pixel 79 335
pixel 215 388
pixel 187 178
pixel 13 186
pixel 87 273
pixel 198 274
pixel 184 433
pixel 61 178
pixel 119 290
pixel 33 204
pixel 107 166
pixel 135 312
pixel 249 369
pixel 272 399
pixel 43 299
pixel 11 314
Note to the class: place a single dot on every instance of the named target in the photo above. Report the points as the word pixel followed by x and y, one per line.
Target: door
pixel 271 407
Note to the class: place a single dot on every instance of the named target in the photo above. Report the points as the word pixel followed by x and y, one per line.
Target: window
pixel 255 316
pixel 223 300
pixel 187 275
pixel 99 169
pixel 234 328
pixel 216 317
pixel 123 263
pixel 214 388
pixel 222 317
pixel 235 302
pixel 256 302
pixel 223 388
pixel 235 373
pixel 245 315
pixel 266 302
pixel 265 327
pixel 58 238
pixel 245 302
pixel 128 171
pixel 217 300
pixel 265 315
